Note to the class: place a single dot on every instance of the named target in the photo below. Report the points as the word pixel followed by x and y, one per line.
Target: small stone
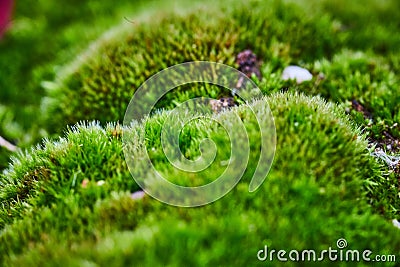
pixel 100 182
pixel 138 195
pixel 227 102
pixel 296 73
pixel 396 223
pixel 222 104
pixel 321 76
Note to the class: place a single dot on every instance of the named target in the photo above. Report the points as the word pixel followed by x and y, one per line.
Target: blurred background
pixel 37 38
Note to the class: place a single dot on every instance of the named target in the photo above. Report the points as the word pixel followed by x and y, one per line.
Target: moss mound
pixel 314 195
pixel 316 35
pixel 119 64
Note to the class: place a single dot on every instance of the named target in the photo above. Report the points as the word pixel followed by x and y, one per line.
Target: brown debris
pixel 248 63
pixel 117 131
pixel 392 142
pixel 360 108
pixel 222 104
pixel 387 142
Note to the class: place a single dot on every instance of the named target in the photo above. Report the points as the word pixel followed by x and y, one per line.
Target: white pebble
pixel 100 182
pixel 296 73
pixel 396 223
pixel 138 195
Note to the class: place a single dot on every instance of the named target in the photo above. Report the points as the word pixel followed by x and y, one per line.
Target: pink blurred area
pixel 6 7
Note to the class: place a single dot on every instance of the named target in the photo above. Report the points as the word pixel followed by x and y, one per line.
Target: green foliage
pixel 69 201
pixel 316 185
pixel 108 74
pixel 370 25
pixel 44 35
pixel 50 173
pixel 367 79
pixel 108 77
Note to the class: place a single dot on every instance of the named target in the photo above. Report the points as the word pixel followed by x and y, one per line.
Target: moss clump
pixel 279 33
pixel 107 78
pixel 367 79
pixel 50 172
pixel 314 194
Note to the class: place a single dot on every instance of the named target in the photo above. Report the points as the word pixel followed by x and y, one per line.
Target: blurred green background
pixel 42 37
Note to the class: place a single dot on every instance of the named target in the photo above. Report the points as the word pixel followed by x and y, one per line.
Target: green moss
pixel 49 173
pixel 279 33
pixel 315 193
pixel 68 202
pixel 367 79
pixel 43 36
pixel 107 78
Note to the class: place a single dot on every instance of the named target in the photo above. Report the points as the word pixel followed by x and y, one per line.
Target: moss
pixel 69 201
pixel 117 67
pixel 43 36
pixel 315 193
pixel 54 170
pixel 109 73
pixel 109 76
pixel 367 79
